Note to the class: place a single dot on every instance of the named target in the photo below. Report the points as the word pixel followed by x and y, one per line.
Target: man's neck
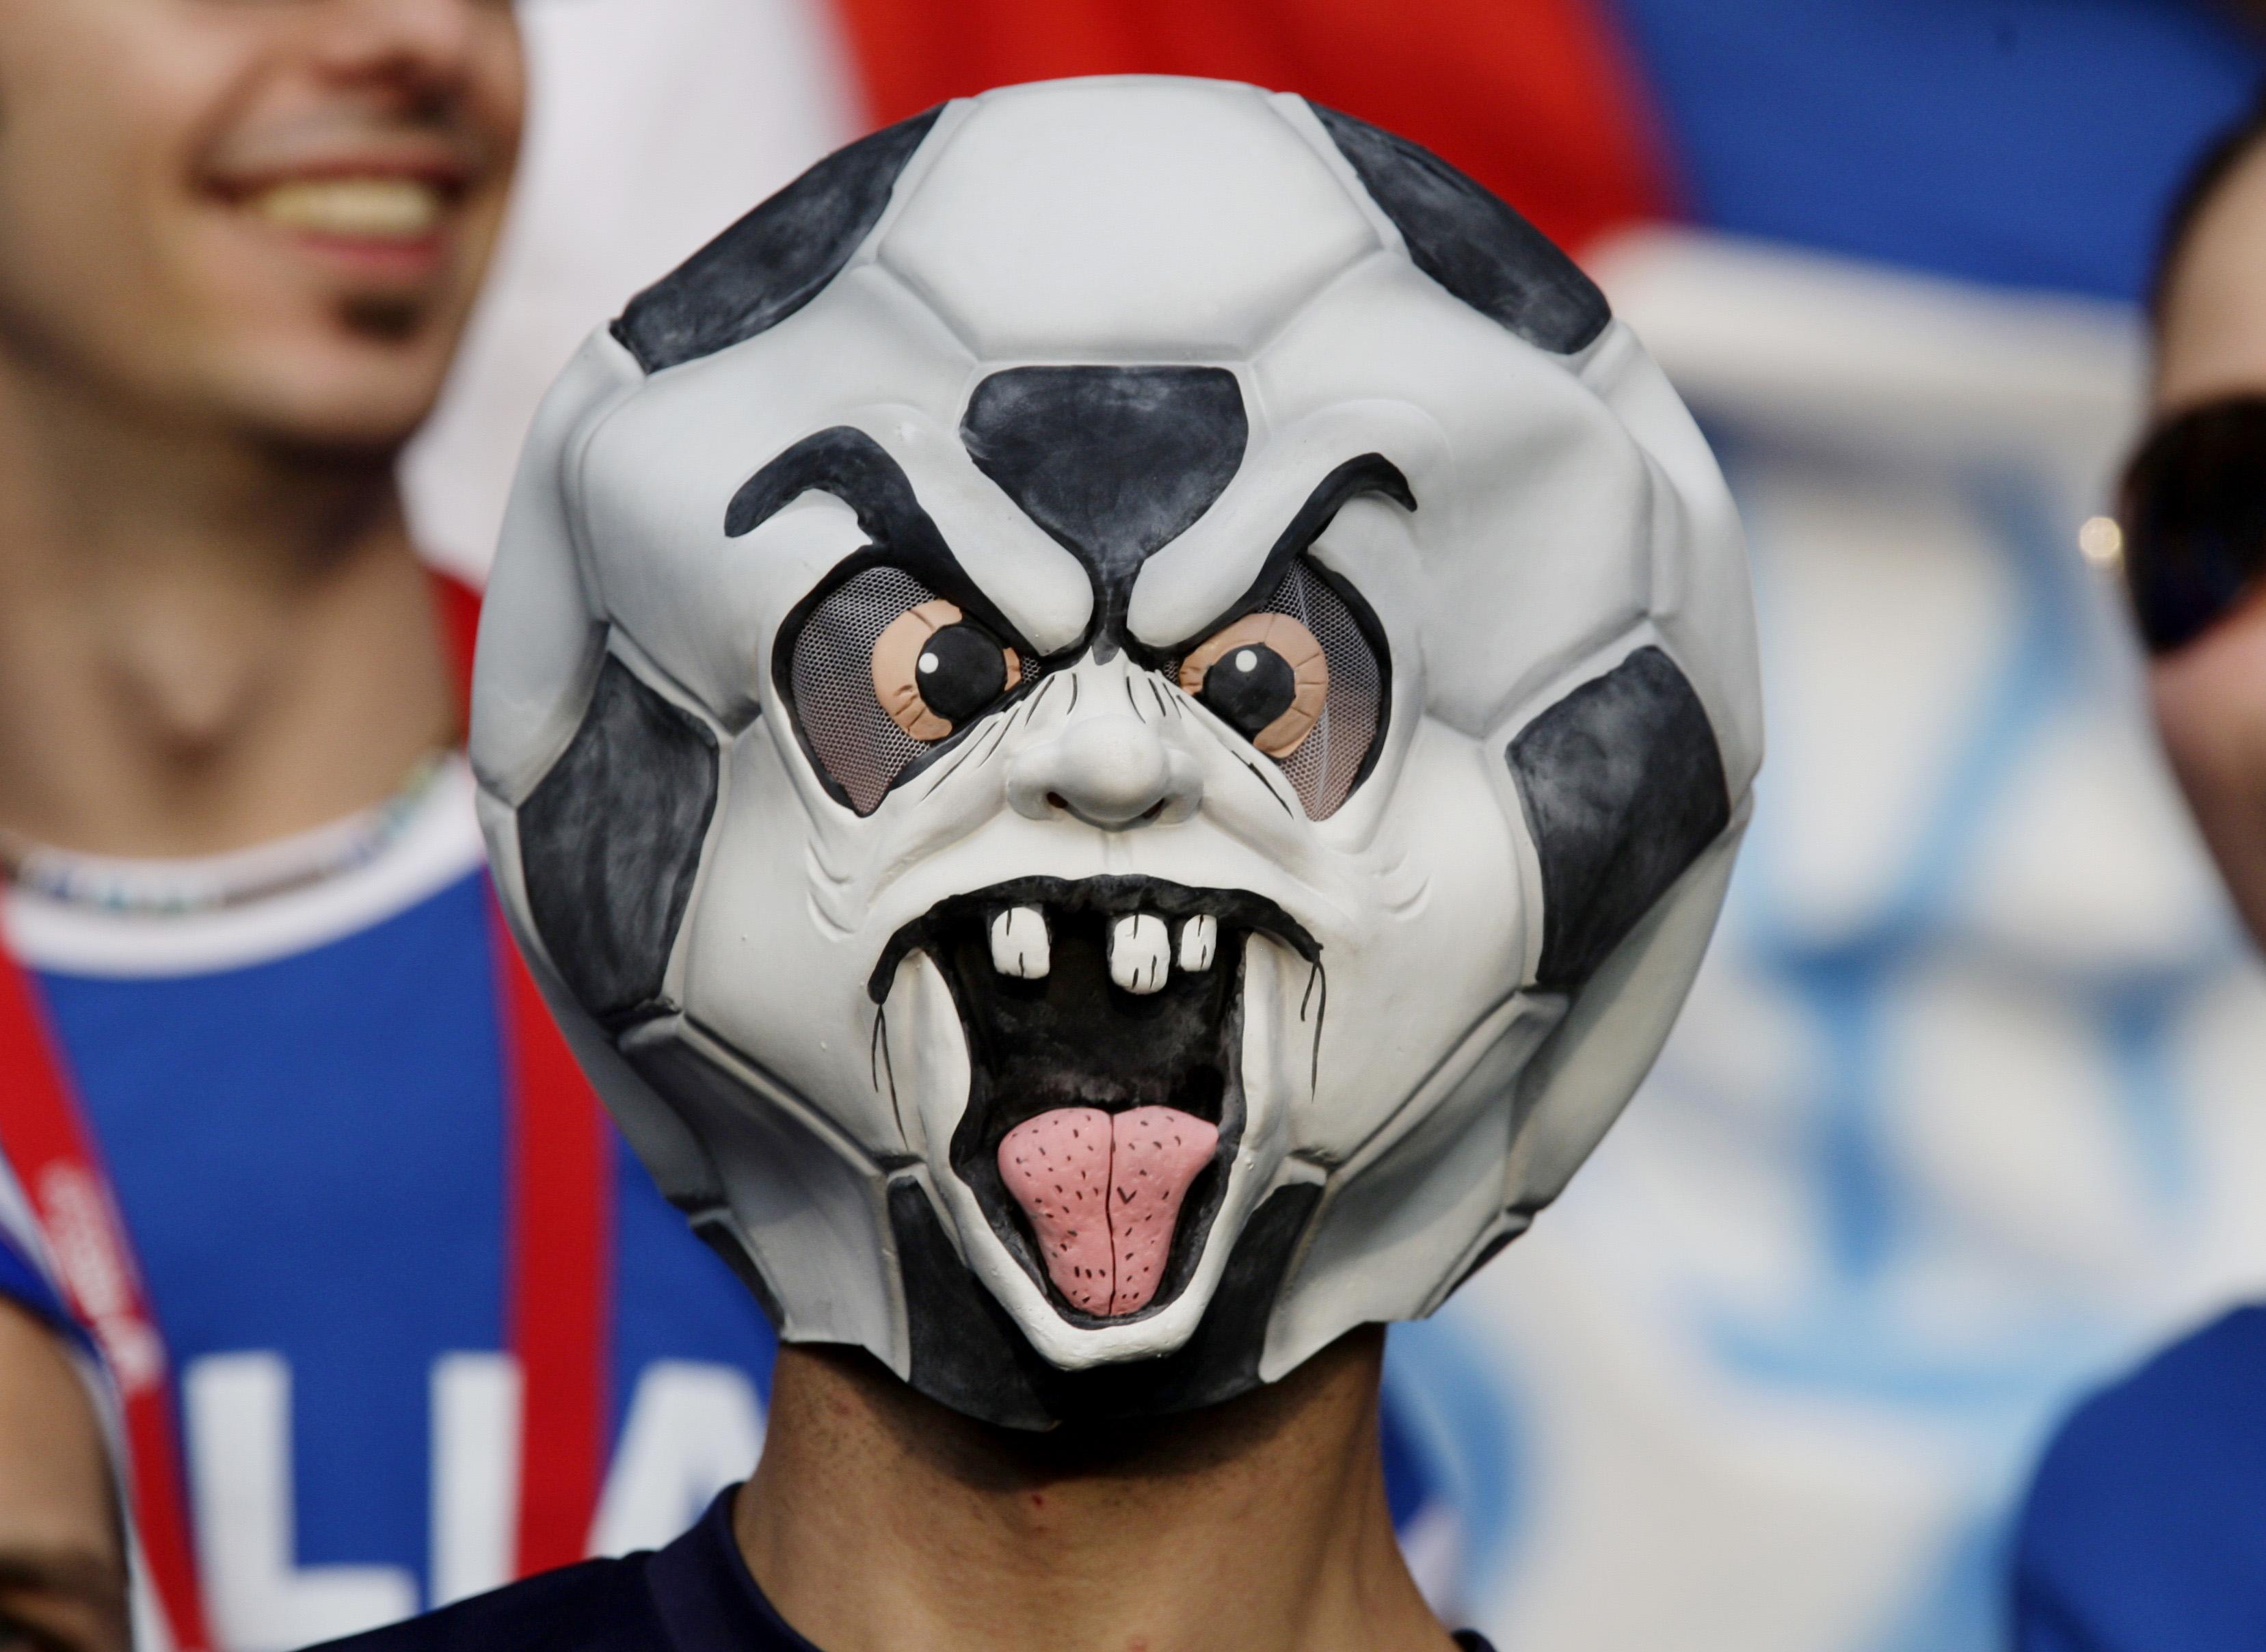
pixel 879 1520
pixel 206 642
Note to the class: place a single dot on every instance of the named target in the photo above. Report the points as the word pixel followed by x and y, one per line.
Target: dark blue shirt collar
pixel 708 1601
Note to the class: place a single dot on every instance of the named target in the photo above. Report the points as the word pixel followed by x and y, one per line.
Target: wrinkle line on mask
pixel 879 1056
pixel 1027 709
pixel 950 769
pixel 999 735
pixel 1261 776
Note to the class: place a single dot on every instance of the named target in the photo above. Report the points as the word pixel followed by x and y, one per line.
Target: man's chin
pixel 333 391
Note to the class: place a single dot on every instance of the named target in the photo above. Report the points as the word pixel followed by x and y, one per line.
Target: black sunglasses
pixel 2193 517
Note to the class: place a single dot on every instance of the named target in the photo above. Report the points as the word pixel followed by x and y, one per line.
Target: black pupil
pixel 1249 686
pixel 961 671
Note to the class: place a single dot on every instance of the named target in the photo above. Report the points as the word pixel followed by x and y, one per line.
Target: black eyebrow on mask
pixel 852 467
pixel 1371 473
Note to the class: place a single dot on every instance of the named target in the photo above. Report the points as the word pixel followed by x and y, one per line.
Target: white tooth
pixel 1018 944
pixel 1140 953
pixel 358 208
pixel 1199 940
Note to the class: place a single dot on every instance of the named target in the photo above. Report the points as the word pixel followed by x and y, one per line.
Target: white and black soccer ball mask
pixel 1117 722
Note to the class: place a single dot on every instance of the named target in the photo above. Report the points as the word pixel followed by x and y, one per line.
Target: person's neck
pixel 879 1520
pixel 207 640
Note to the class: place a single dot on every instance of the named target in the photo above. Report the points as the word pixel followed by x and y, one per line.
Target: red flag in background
pixel 1532 97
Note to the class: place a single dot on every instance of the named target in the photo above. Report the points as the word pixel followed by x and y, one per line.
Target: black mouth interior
pixel 1073 1038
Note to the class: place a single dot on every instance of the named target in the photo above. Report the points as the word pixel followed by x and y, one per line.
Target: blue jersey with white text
pixel 301 1104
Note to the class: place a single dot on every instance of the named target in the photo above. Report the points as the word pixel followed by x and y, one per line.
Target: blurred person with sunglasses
pixel 280 1096
pixel 2146 1527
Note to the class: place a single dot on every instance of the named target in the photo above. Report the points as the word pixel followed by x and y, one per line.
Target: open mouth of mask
pixel 1105 1026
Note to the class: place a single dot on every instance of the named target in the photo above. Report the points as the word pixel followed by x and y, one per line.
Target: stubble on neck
pixel 880 1520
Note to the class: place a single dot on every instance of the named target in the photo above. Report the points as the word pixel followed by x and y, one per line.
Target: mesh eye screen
pixel 1329 763
pixel 854 742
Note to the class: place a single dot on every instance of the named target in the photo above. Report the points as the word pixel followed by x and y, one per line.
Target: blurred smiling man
pixel 276 1090
pixel 238 241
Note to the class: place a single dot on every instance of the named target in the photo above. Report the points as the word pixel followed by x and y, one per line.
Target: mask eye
pixel 1303 678
pixel 879 671
pixel 1265 677
pixel 934 669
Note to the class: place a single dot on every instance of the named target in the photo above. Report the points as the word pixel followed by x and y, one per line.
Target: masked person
pixel 2146 1525
pixel 1117 722
pixel 63 1552
pixel 318 1170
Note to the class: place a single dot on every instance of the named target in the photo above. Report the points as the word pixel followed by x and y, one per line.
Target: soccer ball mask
pixel 1116 724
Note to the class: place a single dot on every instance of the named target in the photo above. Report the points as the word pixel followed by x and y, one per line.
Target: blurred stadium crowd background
pixel 1965 1112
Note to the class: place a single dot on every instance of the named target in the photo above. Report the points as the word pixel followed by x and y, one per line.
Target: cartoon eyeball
pixel 880 671
pixel 934 670
pixel 1305 678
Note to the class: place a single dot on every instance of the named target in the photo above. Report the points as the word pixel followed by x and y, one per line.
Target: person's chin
pixel 332 340
pixel 336 389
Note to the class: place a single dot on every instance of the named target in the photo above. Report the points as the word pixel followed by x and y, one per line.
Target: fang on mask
pixel 1117 723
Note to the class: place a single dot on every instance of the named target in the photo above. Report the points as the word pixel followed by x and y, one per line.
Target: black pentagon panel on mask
pixel 1624 788
pixel 774 261
pixel 1115 463
pixel 609 843
pixel 1466 238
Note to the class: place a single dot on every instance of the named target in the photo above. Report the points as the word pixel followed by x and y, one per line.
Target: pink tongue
pixel 1104 1195
pixel 1057 1166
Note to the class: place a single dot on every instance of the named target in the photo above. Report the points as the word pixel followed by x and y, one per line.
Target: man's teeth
pixel 1199 940
pixel 354 209
pixel 1018 944
pixel 1140 953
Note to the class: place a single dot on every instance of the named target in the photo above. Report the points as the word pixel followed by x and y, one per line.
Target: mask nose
pixel 1108 769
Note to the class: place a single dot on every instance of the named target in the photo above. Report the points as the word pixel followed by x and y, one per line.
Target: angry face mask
pixel 1117 723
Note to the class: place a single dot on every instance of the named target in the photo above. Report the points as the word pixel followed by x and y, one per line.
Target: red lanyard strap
pixel 559 1205
pixel 561 1244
